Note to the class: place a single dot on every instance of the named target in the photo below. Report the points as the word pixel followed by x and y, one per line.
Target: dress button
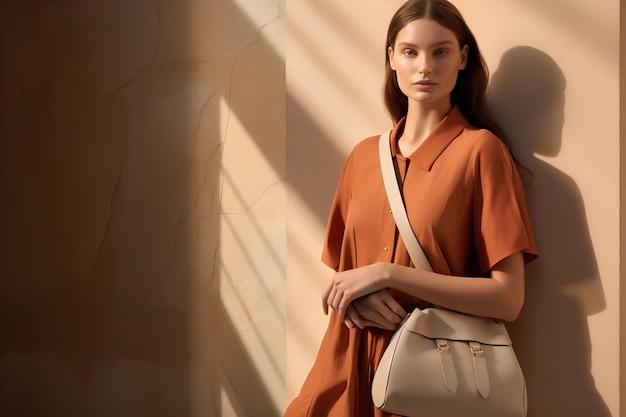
pixel 385 248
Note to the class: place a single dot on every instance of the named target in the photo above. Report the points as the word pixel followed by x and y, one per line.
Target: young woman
pixel 464 199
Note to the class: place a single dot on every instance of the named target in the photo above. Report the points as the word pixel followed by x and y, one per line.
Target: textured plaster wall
pixel 142 208
pixel 556 79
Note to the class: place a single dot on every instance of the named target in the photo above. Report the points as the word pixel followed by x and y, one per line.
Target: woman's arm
pixel 501 296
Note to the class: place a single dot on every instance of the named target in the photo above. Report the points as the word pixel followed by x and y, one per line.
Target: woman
pixel 464 199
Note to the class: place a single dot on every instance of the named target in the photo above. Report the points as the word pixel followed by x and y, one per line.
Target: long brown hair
pixel 470 91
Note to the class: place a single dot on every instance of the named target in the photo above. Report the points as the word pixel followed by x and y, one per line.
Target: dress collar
pixel 446 131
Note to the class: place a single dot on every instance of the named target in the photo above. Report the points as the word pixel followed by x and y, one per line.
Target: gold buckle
pixel 443 346
pixel 476 351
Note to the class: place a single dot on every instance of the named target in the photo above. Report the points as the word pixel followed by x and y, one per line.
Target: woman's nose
pixel 424 64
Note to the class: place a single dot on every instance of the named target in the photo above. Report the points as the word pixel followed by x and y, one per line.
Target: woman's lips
pixel 424 85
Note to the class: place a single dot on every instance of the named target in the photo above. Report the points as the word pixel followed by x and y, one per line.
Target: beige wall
pixel 555 67
pixel 142 208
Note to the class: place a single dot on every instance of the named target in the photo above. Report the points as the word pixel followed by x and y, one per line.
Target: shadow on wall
pixel 238 380
pixel 254 84
pixel 314 162
pixel 108 131
pixel 563 285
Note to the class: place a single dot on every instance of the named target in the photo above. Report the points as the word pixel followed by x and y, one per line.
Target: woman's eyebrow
pixel 434 45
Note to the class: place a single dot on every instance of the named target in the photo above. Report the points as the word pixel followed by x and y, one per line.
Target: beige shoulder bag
pixel 440 362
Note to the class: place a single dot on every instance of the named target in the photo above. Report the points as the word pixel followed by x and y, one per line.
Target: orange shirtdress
pixel 466 204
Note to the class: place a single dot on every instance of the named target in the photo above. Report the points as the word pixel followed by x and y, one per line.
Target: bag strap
pixel 398 209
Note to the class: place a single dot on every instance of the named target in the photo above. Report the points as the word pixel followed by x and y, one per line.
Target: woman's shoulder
pixel 483 140
pixel 480 135
pixel 366 147
pixel 485 149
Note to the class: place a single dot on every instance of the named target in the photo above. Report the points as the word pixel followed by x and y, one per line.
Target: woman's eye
pixel 409 52
pixel 441 52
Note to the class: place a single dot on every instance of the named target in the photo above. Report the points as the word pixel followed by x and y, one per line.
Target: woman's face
pixel 427 58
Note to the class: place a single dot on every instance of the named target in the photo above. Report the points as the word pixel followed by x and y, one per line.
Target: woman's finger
pixel 337 298
pixel 393 307
pixel 328 297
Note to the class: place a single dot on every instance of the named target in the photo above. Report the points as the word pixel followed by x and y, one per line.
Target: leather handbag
pixel 441 363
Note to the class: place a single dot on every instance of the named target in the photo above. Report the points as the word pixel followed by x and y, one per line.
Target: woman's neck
pixel 421 120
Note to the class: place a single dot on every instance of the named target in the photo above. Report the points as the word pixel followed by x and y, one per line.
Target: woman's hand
pixel 378 309
pixel 345 287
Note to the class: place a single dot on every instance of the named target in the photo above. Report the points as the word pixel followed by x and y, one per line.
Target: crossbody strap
pixel 397 205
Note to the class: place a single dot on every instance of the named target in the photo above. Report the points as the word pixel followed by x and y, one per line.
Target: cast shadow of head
pixel 552 338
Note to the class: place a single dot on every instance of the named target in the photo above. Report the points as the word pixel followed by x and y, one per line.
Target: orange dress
pixel 466 204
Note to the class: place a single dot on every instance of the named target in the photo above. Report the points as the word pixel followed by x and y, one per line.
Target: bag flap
pixel 437 323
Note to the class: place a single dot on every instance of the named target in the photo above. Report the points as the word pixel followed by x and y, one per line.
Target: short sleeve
pixel 501 223
pixel 337 217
